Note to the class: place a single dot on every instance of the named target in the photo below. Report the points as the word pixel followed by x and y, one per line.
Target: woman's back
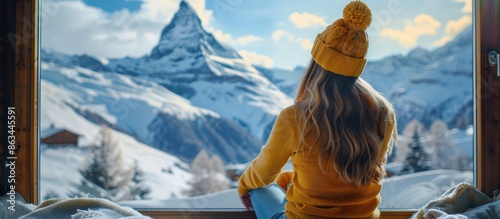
pixel 337 134
pixel 318 189
pixel 345 119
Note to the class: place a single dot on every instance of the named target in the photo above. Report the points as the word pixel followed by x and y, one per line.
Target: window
pixel 42 103
pixel 163 103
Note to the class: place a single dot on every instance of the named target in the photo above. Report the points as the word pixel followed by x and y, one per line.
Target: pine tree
pixel 403 146
pixel 462 122
pixel 417 159
pixel 208 175
pixel 441 145
pixel 218 179
pixel 200 174
pixel 462 162
pixel 138 189
pixel 106 166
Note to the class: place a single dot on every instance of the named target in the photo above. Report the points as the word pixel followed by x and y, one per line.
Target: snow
pixel 129 103
pixel 415 190
pixel 224 200
pixel 217 78
pixel 256 106
pixel 49 132
pixel 286 77
pixel 101 110
pixel 229 67
pixel 435 84
pixel 104 61
pixel 245 89
pixel 59 168
pixel 133 92
pixel 462 140
pixel 410 191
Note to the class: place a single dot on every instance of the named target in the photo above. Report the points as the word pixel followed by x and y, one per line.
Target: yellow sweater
pixel 313 193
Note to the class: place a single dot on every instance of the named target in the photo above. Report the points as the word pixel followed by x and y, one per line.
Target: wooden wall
pixel 488 99
pixel 6 81
pixel 18 54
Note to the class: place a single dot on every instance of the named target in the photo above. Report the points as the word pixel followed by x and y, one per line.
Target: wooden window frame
pixel 19 88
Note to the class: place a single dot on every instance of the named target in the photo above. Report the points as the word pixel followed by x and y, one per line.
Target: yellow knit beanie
pixel 341 48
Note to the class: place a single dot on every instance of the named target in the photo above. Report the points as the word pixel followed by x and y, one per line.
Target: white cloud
pixel 453 28
pixel 305 20
pixel 223 37
pixel 422 24
pixel 279 34
pixel 200 7
pixel 75 28
pixel 163 11
pixel 156 10
pixel 248 39
pixel 257 59
pixel 443 40
pixel 228 38
pixel 467 6
pixel 306 44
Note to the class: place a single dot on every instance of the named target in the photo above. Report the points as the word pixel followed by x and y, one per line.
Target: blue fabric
pixel 269 202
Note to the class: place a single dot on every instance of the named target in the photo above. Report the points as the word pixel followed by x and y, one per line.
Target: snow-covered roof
pixel 51 131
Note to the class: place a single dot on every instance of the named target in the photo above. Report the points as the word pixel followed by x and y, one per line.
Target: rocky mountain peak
pixel 185 37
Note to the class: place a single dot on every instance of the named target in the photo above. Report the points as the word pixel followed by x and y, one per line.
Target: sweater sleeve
pixel 284 178
pixel 273 156
pixel 389 138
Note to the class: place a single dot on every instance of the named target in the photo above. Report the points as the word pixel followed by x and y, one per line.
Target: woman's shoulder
pixel 289 111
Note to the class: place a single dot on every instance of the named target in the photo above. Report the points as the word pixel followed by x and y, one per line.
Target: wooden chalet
pixel 59 137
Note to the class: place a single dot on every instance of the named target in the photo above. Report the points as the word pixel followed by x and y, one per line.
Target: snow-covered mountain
pixel 142 109
pixel 190 62
pixel 286 80
pixel 193 92
pixel 59 166
pixel 423 85
pixel 428 85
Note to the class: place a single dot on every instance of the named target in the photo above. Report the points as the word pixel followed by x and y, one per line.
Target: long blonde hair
pixel 347 118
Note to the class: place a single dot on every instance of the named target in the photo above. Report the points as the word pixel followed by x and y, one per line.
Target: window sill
pixel 207 214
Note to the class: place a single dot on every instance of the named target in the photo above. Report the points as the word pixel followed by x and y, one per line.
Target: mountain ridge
pixel 132 106
pixel 423 84
pixel 192 63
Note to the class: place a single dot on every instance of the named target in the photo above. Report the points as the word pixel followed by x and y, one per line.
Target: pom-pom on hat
pixel 341 48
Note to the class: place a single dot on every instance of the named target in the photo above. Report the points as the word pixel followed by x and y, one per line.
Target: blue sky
pixel 274 33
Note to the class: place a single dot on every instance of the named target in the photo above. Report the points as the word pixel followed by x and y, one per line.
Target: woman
pixel 337 134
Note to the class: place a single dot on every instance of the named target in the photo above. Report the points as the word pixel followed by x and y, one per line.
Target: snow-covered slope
pixel 286 80
pixel 138 108
pixel 416 189
pixel 411 191
pixel 59 166
pixel 164 174
pixel 190 62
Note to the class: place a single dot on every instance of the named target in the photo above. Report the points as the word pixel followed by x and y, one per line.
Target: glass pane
pixel 163 104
